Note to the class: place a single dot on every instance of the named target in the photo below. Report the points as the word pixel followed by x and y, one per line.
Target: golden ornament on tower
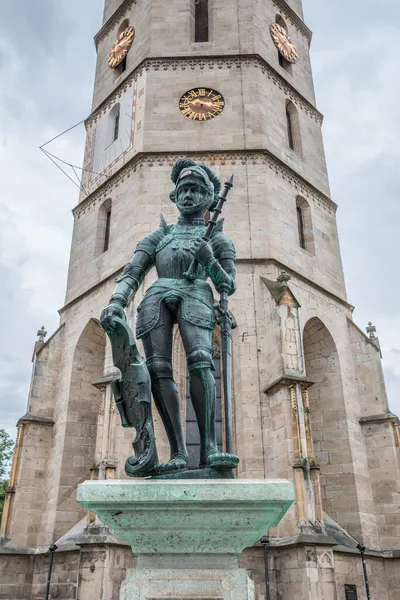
pixel 121 47
pixel 283 43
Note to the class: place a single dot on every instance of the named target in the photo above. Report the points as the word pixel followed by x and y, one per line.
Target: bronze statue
pixel 185 256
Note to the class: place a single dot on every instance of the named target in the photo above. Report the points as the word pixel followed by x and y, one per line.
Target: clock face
pixel 283 43
pixel 201 104
pixel 121 47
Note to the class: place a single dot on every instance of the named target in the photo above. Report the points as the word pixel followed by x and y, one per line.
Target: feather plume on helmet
pixel 186 167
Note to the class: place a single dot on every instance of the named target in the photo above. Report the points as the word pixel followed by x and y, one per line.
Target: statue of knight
pixel 185 256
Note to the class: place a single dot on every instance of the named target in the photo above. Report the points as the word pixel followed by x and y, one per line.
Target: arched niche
pixel 293 128
pixel 103 227
pixel 124 25
pixel 327 413
pixel 280 21
pixel 304 225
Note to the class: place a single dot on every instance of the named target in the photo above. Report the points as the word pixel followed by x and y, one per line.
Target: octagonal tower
pixel 309 397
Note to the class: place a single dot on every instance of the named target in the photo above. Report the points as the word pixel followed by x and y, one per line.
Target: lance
pixel 225 322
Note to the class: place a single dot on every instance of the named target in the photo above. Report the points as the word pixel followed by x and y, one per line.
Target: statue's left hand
pixel 114 309
pixel 202 251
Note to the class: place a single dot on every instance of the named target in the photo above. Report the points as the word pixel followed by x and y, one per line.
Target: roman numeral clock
pixel 201 104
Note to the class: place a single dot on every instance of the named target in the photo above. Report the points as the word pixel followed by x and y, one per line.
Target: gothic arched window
pixel 304 225
pixel 102 239
pixel 293 128
pixel 201 20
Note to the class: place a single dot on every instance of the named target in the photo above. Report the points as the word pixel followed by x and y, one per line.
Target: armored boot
pixel 203 395
pixel 166 398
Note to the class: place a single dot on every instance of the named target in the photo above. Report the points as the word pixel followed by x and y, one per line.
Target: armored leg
pixel 158 348
pixel 197 344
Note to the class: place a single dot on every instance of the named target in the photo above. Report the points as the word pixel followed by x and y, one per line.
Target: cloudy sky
pixel 46 76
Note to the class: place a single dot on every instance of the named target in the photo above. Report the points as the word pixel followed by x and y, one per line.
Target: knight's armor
pixel 176 299
pixel 169 249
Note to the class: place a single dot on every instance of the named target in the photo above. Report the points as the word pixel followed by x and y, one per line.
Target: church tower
pixel 228 83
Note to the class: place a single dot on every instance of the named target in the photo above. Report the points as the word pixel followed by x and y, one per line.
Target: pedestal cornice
pixel 184 517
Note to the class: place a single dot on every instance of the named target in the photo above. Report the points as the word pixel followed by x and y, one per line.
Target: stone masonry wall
pixel 16 573
pixel 29 499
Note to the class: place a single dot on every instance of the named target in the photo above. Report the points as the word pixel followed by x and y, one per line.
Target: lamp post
pixel 52 549
pixel 364 564
pixel 265 543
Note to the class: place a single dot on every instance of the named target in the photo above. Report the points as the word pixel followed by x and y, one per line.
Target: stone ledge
pixel 30 418
pixel 388 417
pixel 301 539
pixel 186 516
pixel 287 380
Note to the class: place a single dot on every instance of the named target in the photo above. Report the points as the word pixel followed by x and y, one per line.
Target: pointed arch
pixel 304 225
pixel 83 408
pixel 327 416
pixel 103 227
pixel 293 128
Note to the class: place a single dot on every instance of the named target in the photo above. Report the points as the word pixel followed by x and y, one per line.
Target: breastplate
pixel 173 255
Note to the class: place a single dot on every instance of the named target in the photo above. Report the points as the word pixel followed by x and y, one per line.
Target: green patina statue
pixel 185 256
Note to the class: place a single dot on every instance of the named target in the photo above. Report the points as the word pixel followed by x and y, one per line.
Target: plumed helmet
pixel 186 169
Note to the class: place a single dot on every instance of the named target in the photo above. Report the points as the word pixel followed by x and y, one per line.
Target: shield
pixel 132 394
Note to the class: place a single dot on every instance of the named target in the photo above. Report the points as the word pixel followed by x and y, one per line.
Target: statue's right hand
pixel 107 316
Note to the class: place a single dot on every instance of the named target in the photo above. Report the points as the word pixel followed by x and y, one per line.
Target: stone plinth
pixel 188 535
pixel 188 517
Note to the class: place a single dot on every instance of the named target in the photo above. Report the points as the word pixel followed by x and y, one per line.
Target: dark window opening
pixel 122 65
pixel 201 21
pixel 300 225
pixel 289 128
pixel 192 430
pixel 351 592
pixel 107 230
pixel 283 62
pixel 116 127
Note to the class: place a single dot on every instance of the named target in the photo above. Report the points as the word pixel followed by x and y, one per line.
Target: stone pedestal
pixel 188 535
